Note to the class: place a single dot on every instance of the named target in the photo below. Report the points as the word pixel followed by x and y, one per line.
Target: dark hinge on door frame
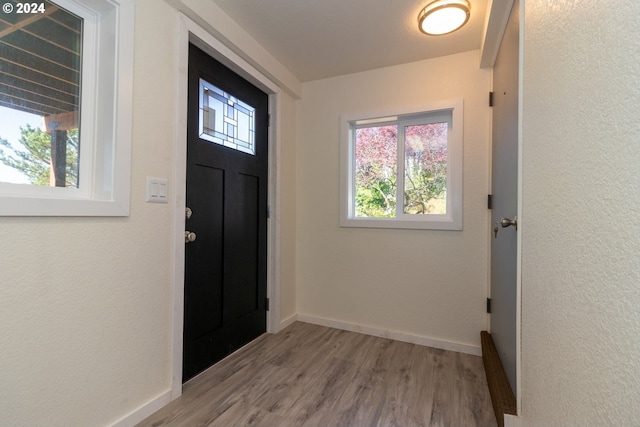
pixel 490 99
pixel 489 305
pixel 266 304
pixel 490 201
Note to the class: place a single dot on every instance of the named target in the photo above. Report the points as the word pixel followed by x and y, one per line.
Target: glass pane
pixel 226 120
pixel 40 66
pixel 375 171
pixel 425 169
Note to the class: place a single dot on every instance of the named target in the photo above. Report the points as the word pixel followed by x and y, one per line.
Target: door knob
pixel 189 236
pixel 188 212
pixel 506 222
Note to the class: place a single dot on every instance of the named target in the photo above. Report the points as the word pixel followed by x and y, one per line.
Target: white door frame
pixel 190 32
pixel 523 226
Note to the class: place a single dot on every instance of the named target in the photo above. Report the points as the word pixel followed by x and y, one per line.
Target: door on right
pixel 505 197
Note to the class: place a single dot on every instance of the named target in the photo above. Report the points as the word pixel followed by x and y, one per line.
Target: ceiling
pixel 317 39
pixel 313 39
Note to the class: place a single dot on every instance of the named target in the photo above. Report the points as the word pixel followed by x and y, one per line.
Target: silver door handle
pixel 506 222
pixel 189 236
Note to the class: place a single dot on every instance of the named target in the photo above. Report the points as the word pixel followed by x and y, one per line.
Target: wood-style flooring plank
pixel 313 376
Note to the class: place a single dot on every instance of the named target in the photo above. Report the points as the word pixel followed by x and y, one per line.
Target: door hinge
pixel 490 99
pixel 489 305
pixel 490 201
pixel 266 304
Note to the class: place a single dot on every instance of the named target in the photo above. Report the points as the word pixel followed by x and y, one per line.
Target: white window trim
pixel 106 114
pixel 450 221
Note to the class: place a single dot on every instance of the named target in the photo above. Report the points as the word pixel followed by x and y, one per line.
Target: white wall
pixel 581 204
pixel 86 303
pixel 423 282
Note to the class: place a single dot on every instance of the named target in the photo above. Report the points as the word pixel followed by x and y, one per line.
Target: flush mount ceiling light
pixel 443 16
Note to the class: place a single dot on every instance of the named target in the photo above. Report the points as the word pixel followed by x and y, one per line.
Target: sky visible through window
pixel 10 122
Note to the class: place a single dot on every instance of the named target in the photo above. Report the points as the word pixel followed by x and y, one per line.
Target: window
pixel 65 107
pixel 226 120
pixel 40 95
pixel 403 169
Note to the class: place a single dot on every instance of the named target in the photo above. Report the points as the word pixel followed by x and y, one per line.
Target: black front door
pixel 227 165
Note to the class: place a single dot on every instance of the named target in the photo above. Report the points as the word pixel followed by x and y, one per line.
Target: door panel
pixel 243 292
pixel 505 196
pixel 204 263
pixel 225 267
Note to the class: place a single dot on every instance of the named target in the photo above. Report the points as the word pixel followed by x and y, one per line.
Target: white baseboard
pixel 395 335
pixel 149 408
pixel 287 322
pixel 512 421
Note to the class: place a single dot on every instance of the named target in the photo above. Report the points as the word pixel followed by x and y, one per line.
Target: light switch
pixel 157 190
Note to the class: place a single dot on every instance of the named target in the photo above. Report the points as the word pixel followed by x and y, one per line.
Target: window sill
pixel 435 222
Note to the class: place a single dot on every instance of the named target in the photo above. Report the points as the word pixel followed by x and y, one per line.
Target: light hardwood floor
pixel 313 376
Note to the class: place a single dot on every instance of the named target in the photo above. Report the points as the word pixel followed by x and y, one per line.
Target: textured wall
pixel 424 282
pixel 85 302
pixel 580 226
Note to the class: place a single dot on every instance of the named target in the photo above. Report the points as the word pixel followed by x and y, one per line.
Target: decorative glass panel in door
pixel 226 120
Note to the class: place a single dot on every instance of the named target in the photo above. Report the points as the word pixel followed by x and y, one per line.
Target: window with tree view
pixel 40 68
pixel 403 171
pixel 424 178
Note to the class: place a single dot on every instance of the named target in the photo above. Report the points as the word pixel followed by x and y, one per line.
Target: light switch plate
pixel 157 190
